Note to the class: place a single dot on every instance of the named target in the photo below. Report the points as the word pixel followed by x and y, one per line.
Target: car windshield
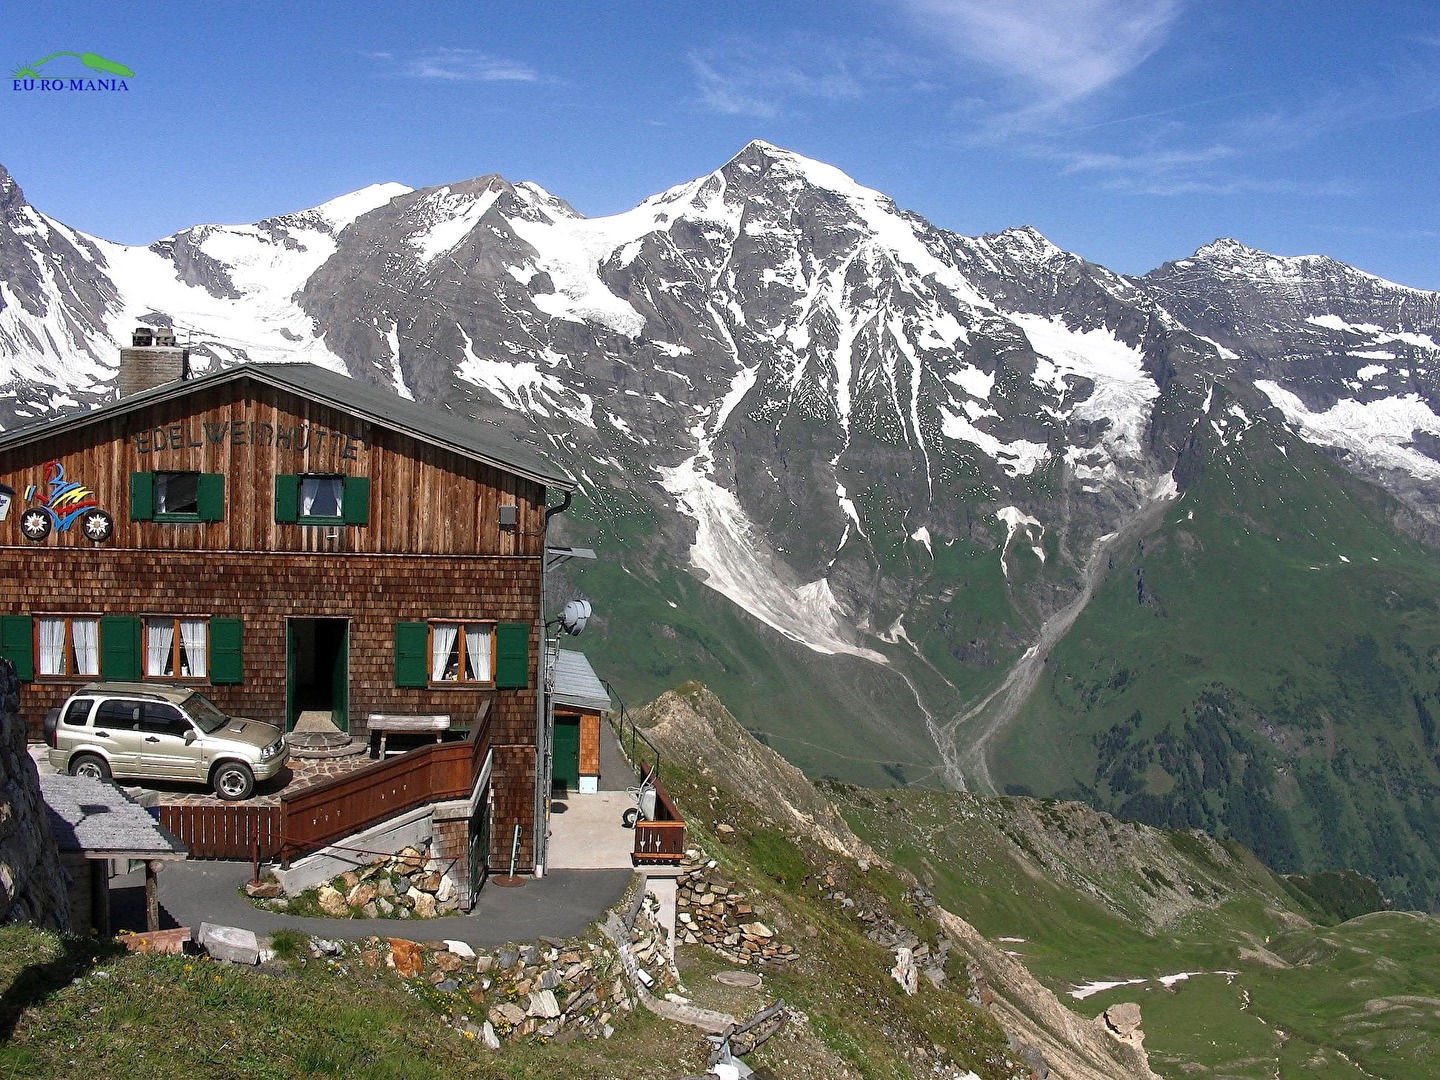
pixel 207 717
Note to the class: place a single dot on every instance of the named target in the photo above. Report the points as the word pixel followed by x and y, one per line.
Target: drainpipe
pixel 551 511
pixel 544 761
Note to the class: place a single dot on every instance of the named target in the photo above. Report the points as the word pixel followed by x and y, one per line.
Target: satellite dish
pixel 575 616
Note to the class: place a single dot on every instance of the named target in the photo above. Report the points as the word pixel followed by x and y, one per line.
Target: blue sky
pixel 1129 131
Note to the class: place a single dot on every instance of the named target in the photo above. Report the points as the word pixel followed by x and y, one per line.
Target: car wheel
pixel 90 766
pixel 234 781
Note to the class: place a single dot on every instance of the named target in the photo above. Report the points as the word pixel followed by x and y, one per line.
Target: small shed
pixel 580 697
pixel 95 824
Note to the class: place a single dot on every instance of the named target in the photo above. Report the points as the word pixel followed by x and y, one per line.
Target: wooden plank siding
pixel 423 500
pixel 663 839
pixel 347 804
pixel 224 831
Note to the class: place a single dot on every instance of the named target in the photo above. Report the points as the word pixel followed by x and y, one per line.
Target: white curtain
pixel 477 652
pixel 86 634
pixel 309 489
pixel 192 645
pixel 159 637
pixel 442 644
pixel 52 646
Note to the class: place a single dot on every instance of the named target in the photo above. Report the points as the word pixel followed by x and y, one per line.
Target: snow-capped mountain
pixel 913 454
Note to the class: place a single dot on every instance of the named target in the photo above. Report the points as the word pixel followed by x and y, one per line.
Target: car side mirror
pixel 189 736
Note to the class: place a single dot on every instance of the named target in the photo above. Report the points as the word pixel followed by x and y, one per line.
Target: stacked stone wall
pixel 32 882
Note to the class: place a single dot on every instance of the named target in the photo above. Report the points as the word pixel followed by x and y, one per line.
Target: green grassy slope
pixel 1081 899
pixel 1265 666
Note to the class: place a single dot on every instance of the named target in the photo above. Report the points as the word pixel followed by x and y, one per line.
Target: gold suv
pixel 147 731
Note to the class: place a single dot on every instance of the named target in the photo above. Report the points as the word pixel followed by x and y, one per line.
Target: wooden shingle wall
pixel 373 592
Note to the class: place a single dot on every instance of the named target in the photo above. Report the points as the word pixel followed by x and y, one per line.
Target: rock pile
pixel 547 991
pixel 913 957
pixel 709 912
pixel 408 885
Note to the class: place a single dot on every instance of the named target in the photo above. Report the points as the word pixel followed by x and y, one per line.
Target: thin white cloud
pixel 746 78
pixel 1052 52
pixel 466 65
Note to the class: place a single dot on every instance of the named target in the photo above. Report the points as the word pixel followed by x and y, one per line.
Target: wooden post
pixel 152 897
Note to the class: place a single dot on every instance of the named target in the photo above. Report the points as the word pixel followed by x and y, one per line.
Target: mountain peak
pixel 762 159
pixel 11 197
pixel 1226 248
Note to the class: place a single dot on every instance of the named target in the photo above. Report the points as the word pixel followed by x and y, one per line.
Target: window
pixel 462 652
pixel 162 719
pixel 117 715
pixel 175 647
pixel 456 652
pixel 78 714
pixel 322 499
pixel 68 645
pixel 177 493
pixel 177 496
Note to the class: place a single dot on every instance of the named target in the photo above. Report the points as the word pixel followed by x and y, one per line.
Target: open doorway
pixel 317 670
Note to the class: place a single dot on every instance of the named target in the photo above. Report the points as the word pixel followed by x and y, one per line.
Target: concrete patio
pixel 585 830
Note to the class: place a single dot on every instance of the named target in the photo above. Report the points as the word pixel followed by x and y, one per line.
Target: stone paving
pixel 299 773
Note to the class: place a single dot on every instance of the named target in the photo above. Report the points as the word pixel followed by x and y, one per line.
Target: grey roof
pixel 97 819
pixel 576 683
pixel 438 427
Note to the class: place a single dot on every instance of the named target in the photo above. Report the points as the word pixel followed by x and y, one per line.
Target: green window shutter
pixel 287 497
pixel 211 500
pixel 226 656
pixel 120 647
pixel 512 656
pixel 142 496
pixel 356 502
pixel 17 644
pixel 412 654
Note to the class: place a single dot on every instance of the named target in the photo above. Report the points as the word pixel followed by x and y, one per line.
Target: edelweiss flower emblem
pixel 35 524
pixel 97 526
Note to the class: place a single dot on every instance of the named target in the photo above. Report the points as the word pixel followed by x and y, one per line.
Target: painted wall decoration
pixel 7 496
pixel 64 503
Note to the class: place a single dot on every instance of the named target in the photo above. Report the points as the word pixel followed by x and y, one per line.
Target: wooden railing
pixel 663 839
pixel 333 809
pixel 316 815
pixel 224 830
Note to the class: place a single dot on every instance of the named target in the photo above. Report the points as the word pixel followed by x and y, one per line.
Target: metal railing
pixel 622 720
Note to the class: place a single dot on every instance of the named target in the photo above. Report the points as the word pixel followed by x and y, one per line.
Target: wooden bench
pixel 392 723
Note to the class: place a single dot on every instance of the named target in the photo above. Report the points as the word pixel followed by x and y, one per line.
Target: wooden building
pixel 286 539
pixel 580 699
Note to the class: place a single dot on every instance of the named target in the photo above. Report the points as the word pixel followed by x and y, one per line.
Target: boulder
pixel 332 903
pixel 232 943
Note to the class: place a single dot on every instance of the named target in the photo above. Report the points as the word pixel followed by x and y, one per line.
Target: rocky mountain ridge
pixel 860 473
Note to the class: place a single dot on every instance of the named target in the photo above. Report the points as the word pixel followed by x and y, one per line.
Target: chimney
pixel 153 359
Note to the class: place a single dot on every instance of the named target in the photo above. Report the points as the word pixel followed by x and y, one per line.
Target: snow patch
pixel 922 534
pixel 1018 458
pixel 1376 432
pixel 454 216
pixel 732 553
pixel 1124 393
pixel 976 383
pixel 1016 520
